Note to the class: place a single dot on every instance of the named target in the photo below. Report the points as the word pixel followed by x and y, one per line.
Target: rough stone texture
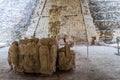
pixel 39 56
pixel 48 55
pixel 13 55
pixel 33 56
pixel 66 58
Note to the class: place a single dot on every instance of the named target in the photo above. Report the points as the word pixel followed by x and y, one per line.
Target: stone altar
pixel 40 56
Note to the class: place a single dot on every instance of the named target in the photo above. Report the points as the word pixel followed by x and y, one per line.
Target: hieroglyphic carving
pixel 54 23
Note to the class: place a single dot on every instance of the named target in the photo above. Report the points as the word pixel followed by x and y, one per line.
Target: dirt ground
pixel 86 68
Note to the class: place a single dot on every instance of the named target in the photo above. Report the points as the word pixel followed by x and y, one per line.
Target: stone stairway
pixel 42 29
pixel 88 21
pixel 35 18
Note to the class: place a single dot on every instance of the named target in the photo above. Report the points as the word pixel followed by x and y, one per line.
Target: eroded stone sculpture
pixel 33 56
pixel 66 57
pixel 40 56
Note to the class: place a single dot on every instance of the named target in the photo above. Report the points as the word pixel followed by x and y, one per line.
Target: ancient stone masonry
pixel 40 56
pixel 60 17
pixel 88 22
pixel 54 23
pixel 33 56
pixel 106 15
pixel 66 58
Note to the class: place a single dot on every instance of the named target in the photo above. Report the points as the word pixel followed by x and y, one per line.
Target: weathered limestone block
pixel 48 55
pixel 44 59
pixel 28 56
pixel 40 56
pixel 13 55
pixel 33 56
pixel 29 60
pixel 66 58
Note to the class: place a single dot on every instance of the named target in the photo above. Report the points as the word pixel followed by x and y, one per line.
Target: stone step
pixel 35 18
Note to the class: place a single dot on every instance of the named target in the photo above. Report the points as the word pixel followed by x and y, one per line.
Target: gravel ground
pixel 102 64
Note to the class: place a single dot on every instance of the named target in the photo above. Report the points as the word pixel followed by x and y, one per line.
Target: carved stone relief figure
pixel 54 23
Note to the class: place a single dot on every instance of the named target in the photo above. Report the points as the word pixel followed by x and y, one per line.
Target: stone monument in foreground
pixel 42 55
